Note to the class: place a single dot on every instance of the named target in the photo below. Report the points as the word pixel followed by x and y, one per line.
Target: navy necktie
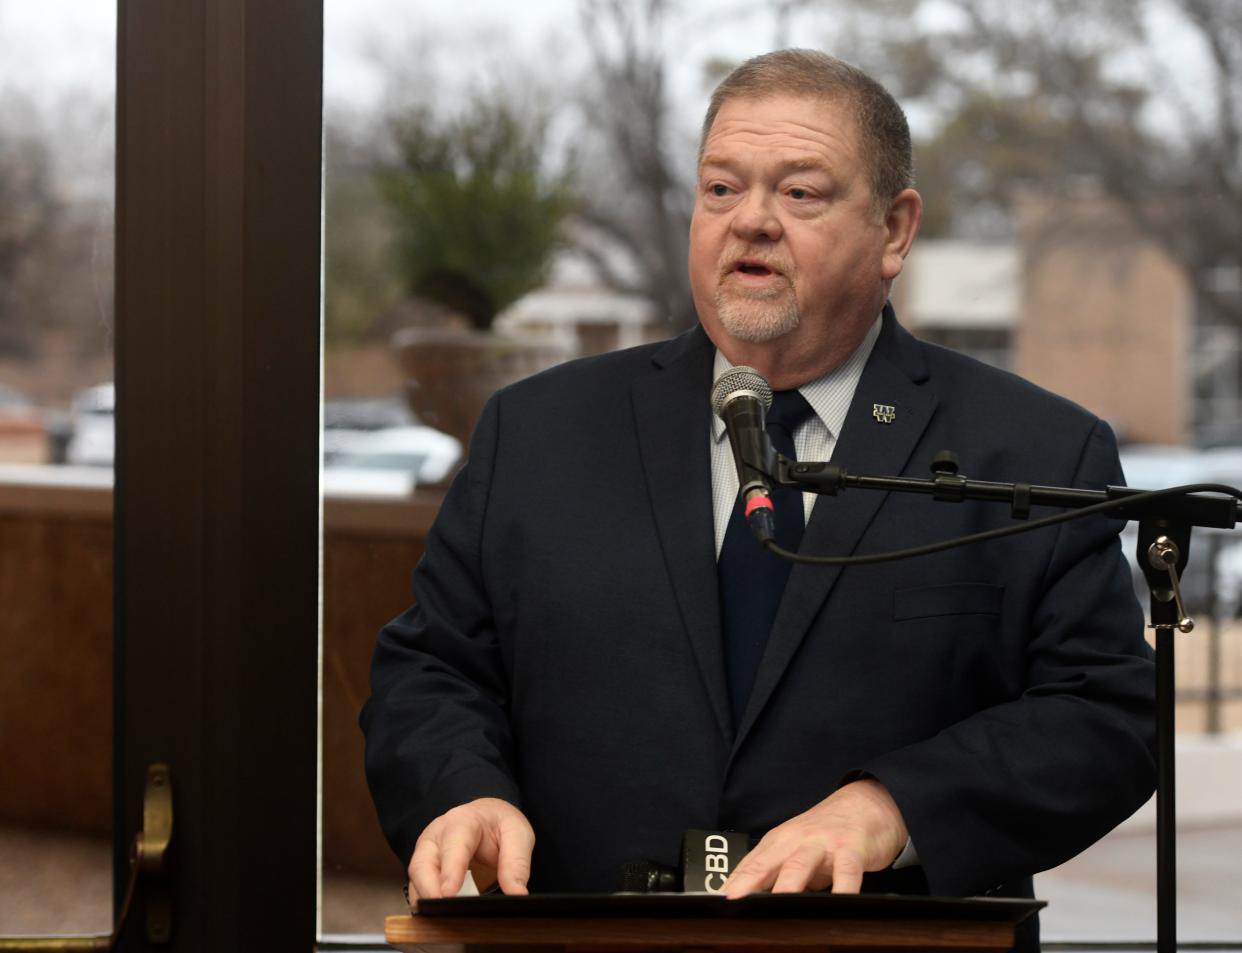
pixel 752 579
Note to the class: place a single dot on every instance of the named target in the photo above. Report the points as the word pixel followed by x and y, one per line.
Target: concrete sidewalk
pixel 1108 892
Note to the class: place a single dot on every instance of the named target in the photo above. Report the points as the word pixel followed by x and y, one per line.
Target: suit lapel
pixel 673 417
pixel 894 376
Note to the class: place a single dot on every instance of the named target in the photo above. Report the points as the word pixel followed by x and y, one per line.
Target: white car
pixel 92 441
pixel 382 461
pixel 390 461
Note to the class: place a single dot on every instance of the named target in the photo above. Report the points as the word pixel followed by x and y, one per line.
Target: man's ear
pixel 901 224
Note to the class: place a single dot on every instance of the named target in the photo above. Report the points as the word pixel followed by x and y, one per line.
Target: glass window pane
pixel 1027 260
pixel 57 82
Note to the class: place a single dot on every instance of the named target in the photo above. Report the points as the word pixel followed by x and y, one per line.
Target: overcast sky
pixel 545 37
pixel 55 49
pixel 63 44
pixel 62 54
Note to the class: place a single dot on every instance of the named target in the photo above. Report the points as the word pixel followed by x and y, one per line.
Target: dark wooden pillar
pixel 217 510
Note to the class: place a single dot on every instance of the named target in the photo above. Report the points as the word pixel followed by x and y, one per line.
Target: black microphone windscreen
pixel 646 876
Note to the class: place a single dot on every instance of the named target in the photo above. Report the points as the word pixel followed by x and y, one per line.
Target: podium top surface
pixel 757 906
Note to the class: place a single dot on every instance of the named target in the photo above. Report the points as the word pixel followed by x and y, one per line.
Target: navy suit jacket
pixel 565 649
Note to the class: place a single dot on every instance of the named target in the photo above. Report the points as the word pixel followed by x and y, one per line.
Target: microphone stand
pixel 1165 519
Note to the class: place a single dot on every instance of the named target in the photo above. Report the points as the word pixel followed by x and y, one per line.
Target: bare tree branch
pixel 648 210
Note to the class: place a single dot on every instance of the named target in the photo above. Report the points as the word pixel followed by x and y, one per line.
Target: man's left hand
pixel 858 828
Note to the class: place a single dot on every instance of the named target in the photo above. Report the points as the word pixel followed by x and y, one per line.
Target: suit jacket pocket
pixel 950 641
pixel 952 599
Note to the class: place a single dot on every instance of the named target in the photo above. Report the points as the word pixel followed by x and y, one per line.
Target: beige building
pixel 1107 319
pixel 1080 304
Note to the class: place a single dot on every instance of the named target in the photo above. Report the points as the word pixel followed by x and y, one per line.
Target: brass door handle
pixel 146 866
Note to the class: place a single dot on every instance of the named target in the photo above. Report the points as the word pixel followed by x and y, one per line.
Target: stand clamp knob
pixel 1164 554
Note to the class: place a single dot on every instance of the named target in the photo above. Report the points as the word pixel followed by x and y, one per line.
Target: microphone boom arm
pixel 1176 503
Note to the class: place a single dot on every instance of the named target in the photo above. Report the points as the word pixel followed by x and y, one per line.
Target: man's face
pixel 790 258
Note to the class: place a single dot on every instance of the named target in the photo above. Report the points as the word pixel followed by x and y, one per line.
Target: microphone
pixel 648 876
pixel 741 398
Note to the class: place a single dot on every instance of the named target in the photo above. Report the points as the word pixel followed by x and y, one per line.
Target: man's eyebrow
pixel 805 164
pixel 716 160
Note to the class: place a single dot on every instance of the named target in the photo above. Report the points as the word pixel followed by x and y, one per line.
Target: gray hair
pixel 884 134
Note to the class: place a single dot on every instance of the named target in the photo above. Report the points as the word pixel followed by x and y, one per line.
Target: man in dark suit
pixel 950 723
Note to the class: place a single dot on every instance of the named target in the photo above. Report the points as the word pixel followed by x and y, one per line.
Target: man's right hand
pixel 489 836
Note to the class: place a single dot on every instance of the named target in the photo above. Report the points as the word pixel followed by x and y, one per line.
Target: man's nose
pixel 756 218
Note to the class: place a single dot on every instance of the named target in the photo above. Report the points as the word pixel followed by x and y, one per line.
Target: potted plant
pixel 477 220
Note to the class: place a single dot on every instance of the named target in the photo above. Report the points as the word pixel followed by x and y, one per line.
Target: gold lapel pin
pixel 884 413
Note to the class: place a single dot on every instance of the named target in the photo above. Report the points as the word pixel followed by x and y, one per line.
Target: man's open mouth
pixel 753 268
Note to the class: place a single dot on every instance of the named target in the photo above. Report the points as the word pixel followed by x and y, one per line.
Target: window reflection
pixel 57 76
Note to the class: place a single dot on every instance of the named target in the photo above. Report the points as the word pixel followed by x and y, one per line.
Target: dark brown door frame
pixel 217 504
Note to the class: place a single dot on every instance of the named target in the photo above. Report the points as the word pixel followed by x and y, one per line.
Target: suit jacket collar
pixel 895 377
pixel 672 411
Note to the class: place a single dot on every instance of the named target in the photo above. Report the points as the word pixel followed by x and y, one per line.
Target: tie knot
pixel 789 409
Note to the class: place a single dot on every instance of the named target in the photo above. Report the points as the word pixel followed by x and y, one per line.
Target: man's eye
pixel 799 194
pixel 719 190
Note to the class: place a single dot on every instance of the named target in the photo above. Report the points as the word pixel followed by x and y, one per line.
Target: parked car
pixel 92 422
pixel 377 447
pixel 366 413
pixel 1219 433
pixel 418 454
pixel 371 447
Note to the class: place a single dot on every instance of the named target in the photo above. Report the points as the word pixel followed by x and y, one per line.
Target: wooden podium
pixel 671 922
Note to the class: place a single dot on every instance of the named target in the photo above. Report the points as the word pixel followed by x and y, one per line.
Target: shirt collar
pixel 830 395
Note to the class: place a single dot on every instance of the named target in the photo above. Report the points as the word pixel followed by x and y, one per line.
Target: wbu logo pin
pixel 884 413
